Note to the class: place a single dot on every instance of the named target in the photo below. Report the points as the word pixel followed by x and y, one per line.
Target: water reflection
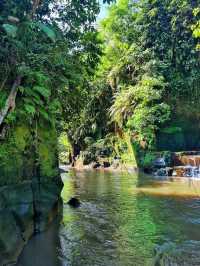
pixel 43 249
pixel 120 222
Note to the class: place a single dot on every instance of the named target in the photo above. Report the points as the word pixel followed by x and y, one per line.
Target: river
pixel 124 219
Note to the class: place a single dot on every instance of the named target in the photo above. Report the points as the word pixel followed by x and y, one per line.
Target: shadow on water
pixel 43 249
pixel 122 221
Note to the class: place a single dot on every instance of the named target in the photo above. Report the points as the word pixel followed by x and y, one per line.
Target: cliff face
pixel 183 131
pixel 30 185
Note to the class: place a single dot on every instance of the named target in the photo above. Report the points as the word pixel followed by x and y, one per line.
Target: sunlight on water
pixel 123 220
pixel 177 188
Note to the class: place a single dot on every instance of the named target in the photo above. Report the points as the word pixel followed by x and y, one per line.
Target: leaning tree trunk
pixel 10 102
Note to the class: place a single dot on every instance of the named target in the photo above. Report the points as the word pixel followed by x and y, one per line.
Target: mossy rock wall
pixel 30 185
pixel 28 151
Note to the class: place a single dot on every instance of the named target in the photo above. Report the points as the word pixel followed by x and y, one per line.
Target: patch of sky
pixel 103 11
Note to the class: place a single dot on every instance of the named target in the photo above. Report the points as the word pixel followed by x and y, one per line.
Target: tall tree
pixel 151 62
pixel 43 44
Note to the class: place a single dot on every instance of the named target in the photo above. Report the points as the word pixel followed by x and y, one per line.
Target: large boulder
pixel 30 186
pixel 26 209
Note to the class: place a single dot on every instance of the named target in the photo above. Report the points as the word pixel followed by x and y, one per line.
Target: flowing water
pixel 122 221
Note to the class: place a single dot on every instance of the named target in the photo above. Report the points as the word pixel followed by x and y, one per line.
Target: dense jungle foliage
pixel 111 85
pixel 49 51
pixel 148 79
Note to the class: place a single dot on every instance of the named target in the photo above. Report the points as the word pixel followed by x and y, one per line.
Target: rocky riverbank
pixel 26 209
pixel 105 165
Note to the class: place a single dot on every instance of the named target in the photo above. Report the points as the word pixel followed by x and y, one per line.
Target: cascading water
pixel 186 164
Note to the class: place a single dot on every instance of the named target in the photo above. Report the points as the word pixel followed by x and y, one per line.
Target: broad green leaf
pixel 43 91
pixel 34 95
pixel 30 109
pixel 44 113
pixel 48 31
pixel 11 30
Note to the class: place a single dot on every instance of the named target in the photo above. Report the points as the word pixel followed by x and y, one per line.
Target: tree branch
pixel 36 4
pixel 10 102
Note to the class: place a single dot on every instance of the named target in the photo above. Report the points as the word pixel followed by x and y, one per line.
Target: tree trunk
pixel 10 102
pixel 76 151
pixel 36 4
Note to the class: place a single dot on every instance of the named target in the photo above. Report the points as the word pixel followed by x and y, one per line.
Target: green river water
pixel 123 219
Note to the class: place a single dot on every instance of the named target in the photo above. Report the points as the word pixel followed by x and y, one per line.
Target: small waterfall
pixel 185 164
pixel 189 164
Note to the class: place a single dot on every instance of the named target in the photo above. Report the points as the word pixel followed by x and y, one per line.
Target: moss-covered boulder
pixel 30 185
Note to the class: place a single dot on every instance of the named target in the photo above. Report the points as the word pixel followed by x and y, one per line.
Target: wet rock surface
pixel 95 165
pixel 74 202
pixel 25 209
pixel 106 164
pixel 167 171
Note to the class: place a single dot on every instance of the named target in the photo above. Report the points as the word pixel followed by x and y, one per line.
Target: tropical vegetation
pixel 126 80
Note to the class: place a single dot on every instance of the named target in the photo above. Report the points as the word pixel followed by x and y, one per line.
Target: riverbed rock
pixel 159 162
pixel 162 159
pixel 106 164
pixel 74 202
pixel 164 172
pixel 63 170
pixel 95 165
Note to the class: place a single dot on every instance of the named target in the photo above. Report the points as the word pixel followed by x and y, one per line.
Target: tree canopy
pixel 128 74
pixel 47 47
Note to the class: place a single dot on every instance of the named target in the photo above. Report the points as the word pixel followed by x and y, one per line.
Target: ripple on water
pixel 125 221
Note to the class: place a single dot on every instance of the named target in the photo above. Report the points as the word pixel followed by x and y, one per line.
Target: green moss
pixel 18 154
pixel 148 159
pixel 47 151
pixel 126 150
pixel 64 148
pixel 14 162
pixel 47 161
pixel 21 136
